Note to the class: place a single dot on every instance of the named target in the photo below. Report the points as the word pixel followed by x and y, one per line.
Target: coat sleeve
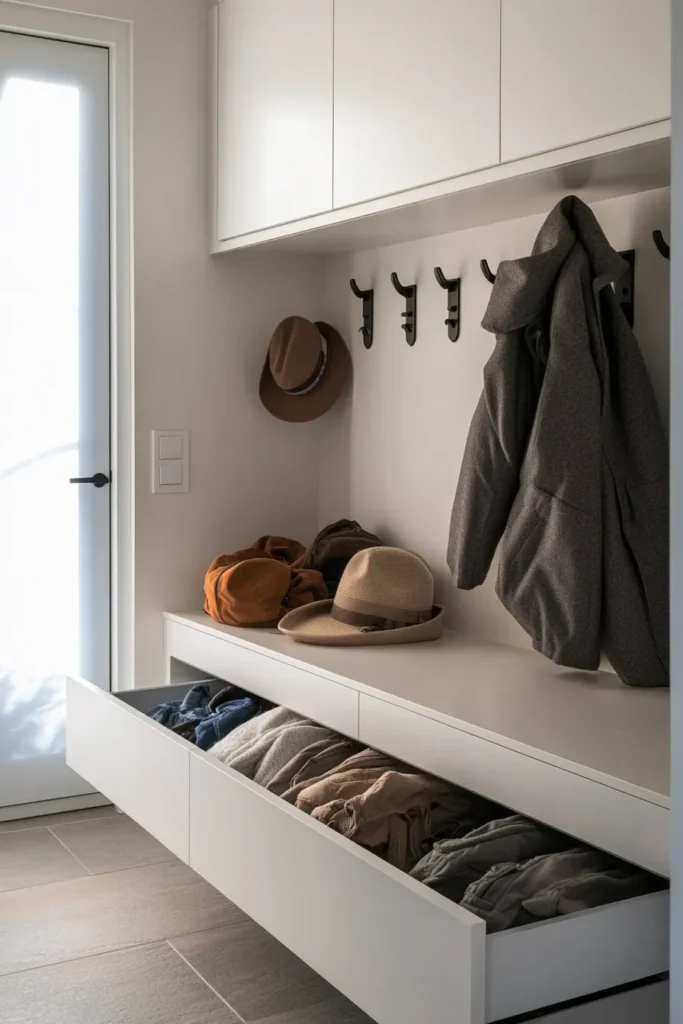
pixel 494 453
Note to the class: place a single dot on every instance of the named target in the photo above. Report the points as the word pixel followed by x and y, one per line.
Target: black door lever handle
pixel 98 480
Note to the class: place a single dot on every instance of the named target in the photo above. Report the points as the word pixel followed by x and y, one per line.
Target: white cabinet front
pixel 274 113
pixel 578 69
pixel 416 93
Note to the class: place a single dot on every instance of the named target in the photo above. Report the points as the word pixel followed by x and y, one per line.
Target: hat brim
pixel 303 408
pixel 313 624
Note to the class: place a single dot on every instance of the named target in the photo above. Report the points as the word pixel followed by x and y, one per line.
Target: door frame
pixel 676 557
pixel 116 36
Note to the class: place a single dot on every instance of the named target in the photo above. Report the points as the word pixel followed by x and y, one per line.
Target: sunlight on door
pixel 39 300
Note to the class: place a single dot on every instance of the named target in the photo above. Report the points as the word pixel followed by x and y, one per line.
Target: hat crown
pixel 294 352
pixel 387 584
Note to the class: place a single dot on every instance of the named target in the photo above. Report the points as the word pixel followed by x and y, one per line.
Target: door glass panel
pixel 46 523
pixel 39 196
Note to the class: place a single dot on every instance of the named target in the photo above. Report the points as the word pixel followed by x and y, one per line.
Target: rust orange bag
pixel 257 586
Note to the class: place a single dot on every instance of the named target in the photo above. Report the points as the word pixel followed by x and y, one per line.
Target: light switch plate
pixel 170 461
pixel 170 446
pixel 170 473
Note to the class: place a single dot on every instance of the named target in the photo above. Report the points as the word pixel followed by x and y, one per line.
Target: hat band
pixel 316 376
pixel 363 620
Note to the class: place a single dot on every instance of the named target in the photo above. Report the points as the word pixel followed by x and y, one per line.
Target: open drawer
pixel 403 953
pixel 138 764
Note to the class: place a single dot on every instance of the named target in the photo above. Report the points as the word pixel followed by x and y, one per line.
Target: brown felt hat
pixel 386 596
pixel 306 369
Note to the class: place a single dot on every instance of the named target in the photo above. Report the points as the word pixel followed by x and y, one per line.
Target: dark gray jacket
pixel 566 461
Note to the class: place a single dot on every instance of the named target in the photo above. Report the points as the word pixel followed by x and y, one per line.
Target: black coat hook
pixel 368 297
pixel 625 287
pixel 486 271
pixel 452 286
pixel 409 293
pixel 662 246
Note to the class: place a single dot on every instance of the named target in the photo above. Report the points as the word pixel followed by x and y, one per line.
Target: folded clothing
pixel 262 747
pixel 510 895
pixel 392 812
pixel 192 707
pixel 363 758
pixel 203 719
pixel 454 864
pixel 227 717
pixel 313 761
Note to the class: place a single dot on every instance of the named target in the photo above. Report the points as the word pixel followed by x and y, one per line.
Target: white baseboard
pixel 69 803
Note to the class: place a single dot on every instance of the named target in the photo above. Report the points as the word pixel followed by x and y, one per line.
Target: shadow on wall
pixel 651 326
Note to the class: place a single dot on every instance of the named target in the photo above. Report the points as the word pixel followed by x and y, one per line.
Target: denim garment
pixel 201 719
pixel 191 708
pixel 225 718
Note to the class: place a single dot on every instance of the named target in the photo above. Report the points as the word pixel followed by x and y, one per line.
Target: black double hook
pixel 409 293
pixel 452 286
pixel 368 297
pixel 662 247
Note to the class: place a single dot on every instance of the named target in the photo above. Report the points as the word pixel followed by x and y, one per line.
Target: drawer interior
pixel 146 700
pixel 391 944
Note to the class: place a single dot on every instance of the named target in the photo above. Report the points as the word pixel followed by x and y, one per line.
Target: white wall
pixel 201 332
pixel 391 457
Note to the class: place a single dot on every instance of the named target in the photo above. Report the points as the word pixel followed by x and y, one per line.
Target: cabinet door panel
pixel 274 112
pixel 577 69
pixel 416 93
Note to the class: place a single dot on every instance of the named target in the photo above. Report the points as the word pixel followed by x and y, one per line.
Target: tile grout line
pixel 81 956
pixel 59 824
pixel 208 985
pixel 78 859
pixel 102 952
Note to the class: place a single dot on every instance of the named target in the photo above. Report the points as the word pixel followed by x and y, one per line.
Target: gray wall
pixel 677 519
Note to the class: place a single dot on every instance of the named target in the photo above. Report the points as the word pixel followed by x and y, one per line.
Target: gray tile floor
pixel 100 924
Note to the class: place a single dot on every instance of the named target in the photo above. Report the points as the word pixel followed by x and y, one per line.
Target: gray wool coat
pixel 566 462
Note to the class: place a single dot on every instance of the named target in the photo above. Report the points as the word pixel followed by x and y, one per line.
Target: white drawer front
pixel 570 957
pixel 629 827
pixel 304 692
pixel 139 765
pixel 403 954
pixel 646 1005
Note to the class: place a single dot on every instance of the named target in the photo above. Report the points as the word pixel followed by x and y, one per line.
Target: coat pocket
pixel 549 577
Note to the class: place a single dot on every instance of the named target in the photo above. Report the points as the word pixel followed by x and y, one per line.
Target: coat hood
pixel 522 286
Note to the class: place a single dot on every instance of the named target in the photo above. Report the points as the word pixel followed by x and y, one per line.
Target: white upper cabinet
pixel 578 69
pixel 428 112
pixel 416 93
pixel 274 115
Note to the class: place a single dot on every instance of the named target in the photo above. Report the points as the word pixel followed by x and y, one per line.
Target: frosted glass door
pixel 54 401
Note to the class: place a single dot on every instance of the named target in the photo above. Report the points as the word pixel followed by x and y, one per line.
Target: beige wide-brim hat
pixel 386 596
pixel 307 368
